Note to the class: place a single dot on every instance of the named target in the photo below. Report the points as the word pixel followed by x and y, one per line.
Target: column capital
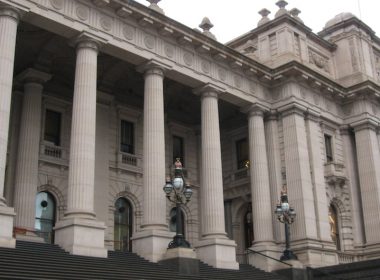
pixel 209 90
pixel 272 115
pixel 365 124
pixel 31 75
pixel 345 129
pixel 292 108
pixel 9 11
pixel 312 115
pixel 87 40
pixel 256 109
pixel 153 67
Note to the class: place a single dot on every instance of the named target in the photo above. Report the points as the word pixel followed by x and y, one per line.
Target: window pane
pixel 328 148
pixel 178 149
pixel 241 153
pixel 127 137
pixel 53 127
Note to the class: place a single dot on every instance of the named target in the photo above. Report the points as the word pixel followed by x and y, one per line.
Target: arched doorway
pixel 45 216
pixel 334 226
pixel 123 225
pixel 248 227
pixel 173 221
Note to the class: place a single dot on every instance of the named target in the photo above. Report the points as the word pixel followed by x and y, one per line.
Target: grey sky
pixel 236 17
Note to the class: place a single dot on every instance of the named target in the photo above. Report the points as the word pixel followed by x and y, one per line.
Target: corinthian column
pixel 214 239
pixel 9 18
pixel 80 233
pixel 152 242
pixel 260 190
pixel 26 179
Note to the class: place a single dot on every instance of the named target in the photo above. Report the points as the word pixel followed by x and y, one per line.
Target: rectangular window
pixel 328 148
pixel 52 133
pixel 242 153
pixel 127 137
pixel 178 149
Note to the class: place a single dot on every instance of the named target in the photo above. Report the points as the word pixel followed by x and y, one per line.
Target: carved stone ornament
pixel 57 4
pixel 82 12
pixel 318 60
pixel 237 81
pixel 222 74
pixel 149 41
pixel 188 58
pixel 169 50
pixel 106 23
pixel 205 65
pixel 129 32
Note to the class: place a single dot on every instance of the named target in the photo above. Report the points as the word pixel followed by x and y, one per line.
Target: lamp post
pixel 286 214
pixel 177 193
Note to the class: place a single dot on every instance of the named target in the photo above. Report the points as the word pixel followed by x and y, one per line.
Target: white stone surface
pixel 28 148
pixel 6 229
pixel 9 18
pixel 179 252
pixel 219 253
pixel 260 192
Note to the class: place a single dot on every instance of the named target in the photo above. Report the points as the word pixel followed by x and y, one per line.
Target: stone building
pixel 99 97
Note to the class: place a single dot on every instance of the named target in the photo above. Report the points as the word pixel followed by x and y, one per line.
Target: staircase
pixel 45 261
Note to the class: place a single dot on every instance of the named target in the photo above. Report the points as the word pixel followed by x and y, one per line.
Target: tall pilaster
pixel 26 178
pixel 351 165
pixel 274 168
pixel 298 179
pixel 262 207
pixel 9 18
pixel 317 175
pixel 214 248
pixel 152 242
pixel 79 232
pixel 368 157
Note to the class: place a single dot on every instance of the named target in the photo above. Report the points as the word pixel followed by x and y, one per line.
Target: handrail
pixel 269 257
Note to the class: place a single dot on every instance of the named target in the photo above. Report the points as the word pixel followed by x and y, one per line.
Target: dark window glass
pixel 242 153
pixel 328 148
pixel 123 225
pixel 178 149
pixel 53 127
pixel 127 137
pixel 248 227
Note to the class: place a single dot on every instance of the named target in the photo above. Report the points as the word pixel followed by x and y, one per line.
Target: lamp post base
pixel 179 242
pixel 288 255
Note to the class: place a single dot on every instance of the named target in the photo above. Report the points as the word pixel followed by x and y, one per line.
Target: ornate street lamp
pixel 286 214
pixel 177 193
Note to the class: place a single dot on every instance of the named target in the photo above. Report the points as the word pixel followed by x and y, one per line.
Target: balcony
pixel 335 173
pixel 53 154
pixel 129 162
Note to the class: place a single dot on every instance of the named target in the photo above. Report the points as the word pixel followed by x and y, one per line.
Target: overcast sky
pixel 232 18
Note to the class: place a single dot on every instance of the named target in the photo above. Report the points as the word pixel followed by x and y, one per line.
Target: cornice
pixel 366 123
pixel 286 18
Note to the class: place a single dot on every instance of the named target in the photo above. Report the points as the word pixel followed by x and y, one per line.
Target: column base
pixel 269 249
pixel 81 237
pixel 218 252
pixel 183 260
pixel 7 215
pixel 315 253
pixel 151 244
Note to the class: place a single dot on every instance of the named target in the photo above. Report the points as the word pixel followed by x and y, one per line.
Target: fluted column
pixel 26 178
pixel 214 248
pixel 260 190
pixel 9 18
pixel 80 197
pixel 298 178
pixel 211 174
pixel 318 176
pixel 154 149
pixel 368 157
pixel 79 232
pixel 274 169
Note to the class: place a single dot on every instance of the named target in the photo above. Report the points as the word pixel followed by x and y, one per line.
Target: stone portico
pixel 99 97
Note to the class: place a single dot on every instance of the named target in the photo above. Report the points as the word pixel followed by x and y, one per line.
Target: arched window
pixel 334 226
pixel 123 225
pixel 248 227
pixel 173 221
pixel 45 216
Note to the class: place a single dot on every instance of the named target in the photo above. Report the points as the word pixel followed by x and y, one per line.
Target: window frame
pixel 329 147
pixel 121 120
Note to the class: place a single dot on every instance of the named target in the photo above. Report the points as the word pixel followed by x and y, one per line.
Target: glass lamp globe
pixel 285 206
pixel 188 193
pixel 178 184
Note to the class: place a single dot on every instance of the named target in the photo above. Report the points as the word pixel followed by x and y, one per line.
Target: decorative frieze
pixel 321 61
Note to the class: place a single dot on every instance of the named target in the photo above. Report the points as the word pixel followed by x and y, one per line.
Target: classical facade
pixel 99 97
